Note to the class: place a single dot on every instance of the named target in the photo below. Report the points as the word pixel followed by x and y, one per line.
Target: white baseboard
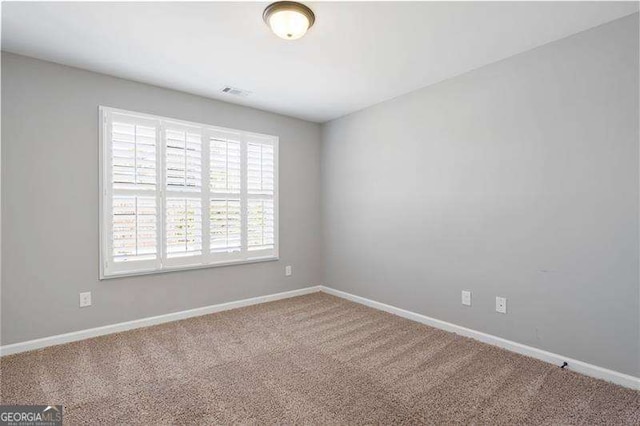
pixel 146 322
pixel 573 364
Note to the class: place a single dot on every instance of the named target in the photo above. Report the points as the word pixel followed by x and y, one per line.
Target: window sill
pixel 187 268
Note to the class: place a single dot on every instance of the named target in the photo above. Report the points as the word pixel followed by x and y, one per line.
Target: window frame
pixel 164 264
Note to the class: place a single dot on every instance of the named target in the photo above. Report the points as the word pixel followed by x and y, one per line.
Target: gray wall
pixel 518 179
pixel 50 203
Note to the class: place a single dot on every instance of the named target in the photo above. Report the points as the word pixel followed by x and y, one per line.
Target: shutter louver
pixel 183 227
pixel 260 225
pixel 183 161
pixel 134 228
pixel 133 156
pixel 260 169
pixel 224 166
pixel 226 225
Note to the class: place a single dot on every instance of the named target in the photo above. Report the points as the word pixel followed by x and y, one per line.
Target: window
pixel 178 195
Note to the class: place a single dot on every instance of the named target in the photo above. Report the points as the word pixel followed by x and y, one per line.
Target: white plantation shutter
pixel 226 225
pixel 134 228
pixel 133 156
pixel 261 178
pixel 183 184
pixel 183 195
pixel 260 225
pixel 225 160
pixel 183 161
pixel 225 170
pixel 260 168
pixel 130 190
pixel 183 227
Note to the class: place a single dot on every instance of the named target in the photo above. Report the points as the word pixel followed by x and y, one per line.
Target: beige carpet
pixel 313 359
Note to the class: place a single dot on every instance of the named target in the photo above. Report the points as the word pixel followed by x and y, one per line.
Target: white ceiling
pixel 356 55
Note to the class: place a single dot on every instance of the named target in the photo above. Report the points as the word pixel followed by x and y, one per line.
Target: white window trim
pixel 207 260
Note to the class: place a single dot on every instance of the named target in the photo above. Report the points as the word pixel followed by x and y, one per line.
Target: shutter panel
pixel 224 157
pixel 134 228
pixel 260 224
pixel 132 241
pixel 260 168
pixel 133 156
pixel 183 171
pixel 225 225
pixel 183 160
pixel 261 216
pixel 183 227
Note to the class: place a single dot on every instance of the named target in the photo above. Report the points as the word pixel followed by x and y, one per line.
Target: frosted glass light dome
pixel 288 20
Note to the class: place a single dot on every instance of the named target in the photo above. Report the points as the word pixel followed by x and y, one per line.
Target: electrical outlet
pixel 287 271
pixel 85 299
pixel 501 305
pixel 466 298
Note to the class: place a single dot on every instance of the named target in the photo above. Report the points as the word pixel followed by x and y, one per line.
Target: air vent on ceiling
pixel 235 91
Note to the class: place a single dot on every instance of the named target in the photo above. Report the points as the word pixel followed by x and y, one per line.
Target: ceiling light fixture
pixel 288 20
